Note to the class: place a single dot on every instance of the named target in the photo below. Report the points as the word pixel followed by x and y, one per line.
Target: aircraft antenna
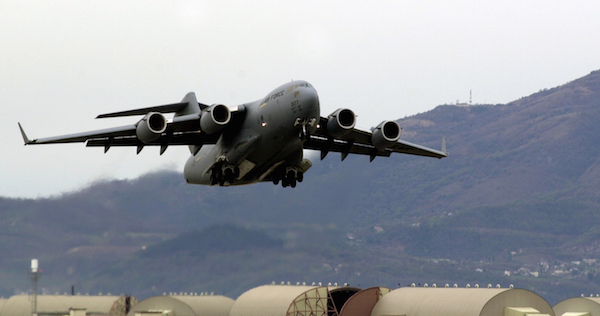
pixel 470 97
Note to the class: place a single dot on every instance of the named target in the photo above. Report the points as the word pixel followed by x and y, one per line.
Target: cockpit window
pixel 292 88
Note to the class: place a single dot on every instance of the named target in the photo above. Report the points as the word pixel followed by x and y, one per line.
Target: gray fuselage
pixel 270 136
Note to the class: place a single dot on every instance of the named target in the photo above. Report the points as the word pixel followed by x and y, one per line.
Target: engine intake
pixel 150 127
pixel 341 122
pixel 385 134
pixel 214 118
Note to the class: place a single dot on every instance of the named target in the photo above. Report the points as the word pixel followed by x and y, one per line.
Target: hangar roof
pixel 579 305
pixel 205 305
pixel 20 305
pixel 2 302
pixel 457 301
pixel 277 300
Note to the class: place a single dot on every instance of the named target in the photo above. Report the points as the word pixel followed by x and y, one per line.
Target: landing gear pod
pixel 150 127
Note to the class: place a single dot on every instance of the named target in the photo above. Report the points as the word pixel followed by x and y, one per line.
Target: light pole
pixel 35 275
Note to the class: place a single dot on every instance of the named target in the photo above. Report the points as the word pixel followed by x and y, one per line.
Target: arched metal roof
pixel 278 300
pixel 20 305
pixel 362 303
pixel 578 305
pixel 458 302
pixel 187 305
pixel 2 302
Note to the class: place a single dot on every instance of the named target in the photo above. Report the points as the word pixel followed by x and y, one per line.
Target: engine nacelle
pixel 214 118
pixel 341 122
pixel 151 127
pixel 385 134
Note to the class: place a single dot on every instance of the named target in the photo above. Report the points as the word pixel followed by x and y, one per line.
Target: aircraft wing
pixel 184 129
pixel 360 142
pixel 126 136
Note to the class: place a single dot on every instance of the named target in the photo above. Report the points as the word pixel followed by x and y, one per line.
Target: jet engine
pixel 214 118
pixel 385 134
pixel 151 127
pixel 341 122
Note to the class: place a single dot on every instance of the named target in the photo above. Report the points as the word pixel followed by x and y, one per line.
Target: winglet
pixel 25 139
pixel 444 145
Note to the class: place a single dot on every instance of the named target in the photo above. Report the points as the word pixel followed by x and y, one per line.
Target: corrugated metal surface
pixel 277 300
pixel 214 305
pixel 362 303
pixel 457 302
pixel 579 305
pixel 183 305
pixel 20 305
pixel 2 302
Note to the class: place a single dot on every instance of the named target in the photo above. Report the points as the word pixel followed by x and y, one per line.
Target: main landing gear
pixel 289 176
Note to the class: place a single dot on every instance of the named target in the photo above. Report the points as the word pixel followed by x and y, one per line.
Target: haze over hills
pixel 518 195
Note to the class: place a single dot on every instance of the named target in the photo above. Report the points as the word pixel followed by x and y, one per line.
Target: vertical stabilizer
pixel 192 105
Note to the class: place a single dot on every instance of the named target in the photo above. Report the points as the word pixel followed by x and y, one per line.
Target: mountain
pixel 518 195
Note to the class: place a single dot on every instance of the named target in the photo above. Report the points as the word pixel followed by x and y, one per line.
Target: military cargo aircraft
pixel 252 142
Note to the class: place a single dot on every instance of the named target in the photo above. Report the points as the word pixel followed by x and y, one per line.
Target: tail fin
pixel 192 106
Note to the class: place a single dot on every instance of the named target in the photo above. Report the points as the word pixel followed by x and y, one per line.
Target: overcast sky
pixel 64 62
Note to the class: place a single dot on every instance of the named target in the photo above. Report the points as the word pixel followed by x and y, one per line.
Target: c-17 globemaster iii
pixel 253 142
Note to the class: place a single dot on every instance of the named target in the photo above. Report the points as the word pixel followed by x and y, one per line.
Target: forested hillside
pixel 517 201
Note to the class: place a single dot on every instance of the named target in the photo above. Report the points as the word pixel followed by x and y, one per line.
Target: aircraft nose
pixel 311 111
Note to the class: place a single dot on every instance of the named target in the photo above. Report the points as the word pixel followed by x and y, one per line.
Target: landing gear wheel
pixel 229 175
pixel 289 179
pixel 216 176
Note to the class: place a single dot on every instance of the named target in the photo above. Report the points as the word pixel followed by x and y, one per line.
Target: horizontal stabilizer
pixel 169 108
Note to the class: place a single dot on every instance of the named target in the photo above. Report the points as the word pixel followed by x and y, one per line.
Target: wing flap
pixel 178 139
pixel 345 147
pixel 127 130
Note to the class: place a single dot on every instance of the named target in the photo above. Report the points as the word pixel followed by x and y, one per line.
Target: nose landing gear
pixel 223 173
pixel 303 123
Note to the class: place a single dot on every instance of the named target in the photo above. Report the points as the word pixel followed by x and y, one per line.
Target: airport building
pixel 277 300
pixel 578 306
pixel 59 305
pixel 449 301
pixel 313 300
pixel 183 305
pixel 2 302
